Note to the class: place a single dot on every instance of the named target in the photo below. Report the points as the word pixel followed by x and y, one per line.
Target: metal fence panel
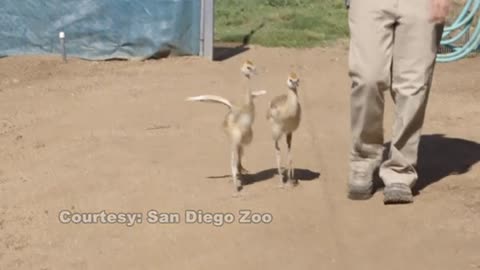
pixel 100 29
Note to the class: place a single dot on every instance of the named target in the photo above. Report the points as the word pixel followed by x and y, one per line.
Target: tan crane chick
pixel 284 114
pixel 238 122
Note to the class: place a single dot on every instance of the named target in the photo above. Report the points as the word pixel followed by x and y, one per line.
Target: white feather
pixel 211 98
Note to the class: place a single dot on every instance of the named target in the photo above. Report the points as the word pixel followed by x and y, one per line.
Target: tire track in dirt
pixel 315 134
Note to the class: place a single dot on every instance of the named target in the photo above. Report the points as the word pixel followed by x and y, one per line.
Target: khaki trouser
pixel 393 47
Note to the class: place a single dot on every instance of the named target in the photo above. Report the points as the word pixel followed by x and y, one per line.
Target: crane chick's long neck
pixel 248 90
pixel 292 96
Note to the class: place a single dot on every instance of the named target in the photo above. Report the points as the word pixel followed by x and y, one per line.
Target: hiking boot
pixel 360 182
pixel 397 193
pixel 360 185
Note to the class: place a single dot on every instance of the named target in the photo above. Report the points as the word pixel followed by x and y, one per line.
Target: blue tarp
pixel 100 29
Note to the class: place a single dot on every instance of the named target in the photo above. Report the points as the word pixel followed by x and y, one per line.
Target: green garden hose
pixel 465 20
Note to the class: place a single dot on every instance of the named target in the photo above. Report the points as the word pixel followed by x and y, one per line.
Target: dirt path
pixel 117 136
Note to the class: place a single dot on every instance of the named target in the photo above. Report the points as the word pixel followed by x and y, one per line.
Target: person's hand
pixel 439 10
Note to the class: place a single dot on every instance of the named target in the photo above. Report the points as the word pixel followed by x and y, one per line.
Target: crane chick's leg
pixel 290 175
pixel 279 162
pixel 236 181
pixel 240 168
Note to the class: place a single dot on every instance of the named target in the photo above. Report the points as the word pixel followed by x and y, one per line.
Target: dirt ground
pixel 118 136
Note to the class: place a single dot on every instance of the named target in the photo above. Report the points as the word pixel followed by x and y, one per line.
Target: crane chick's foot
pixel 281 181
pixel 291 183
pixel 238 184
pixel 242 170
pixel 281 177
pixel 239 192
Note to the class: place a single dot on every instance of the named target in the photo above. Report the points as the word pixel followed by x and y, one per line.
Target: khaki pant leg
pixel 414 50
pixel 370 56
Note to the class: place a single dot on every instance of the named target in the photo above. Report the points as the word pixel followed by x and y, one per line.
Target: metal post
pixel 207 27
pixel 61 35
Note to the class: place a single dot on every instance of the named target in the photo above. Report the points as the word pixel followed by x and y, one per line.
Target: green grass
pixel 287 23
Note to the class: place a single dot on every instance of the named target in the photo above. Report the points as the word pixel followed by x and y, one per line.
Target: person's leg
pixel 416 42
pixel 370 56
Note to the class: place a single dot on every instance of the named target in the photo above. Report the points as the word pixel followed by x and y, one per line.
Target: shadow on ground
pixel 225 51
pixel 251 178
pixel 298 174
pixel 439 157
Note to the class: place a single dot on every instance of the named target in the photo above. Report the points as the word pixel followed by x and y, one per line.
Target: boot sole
pixel 358 193
pixel 397 194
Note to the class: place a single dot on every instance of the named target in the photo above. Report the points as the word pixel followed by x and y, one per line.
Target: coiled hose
pixel 465 20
